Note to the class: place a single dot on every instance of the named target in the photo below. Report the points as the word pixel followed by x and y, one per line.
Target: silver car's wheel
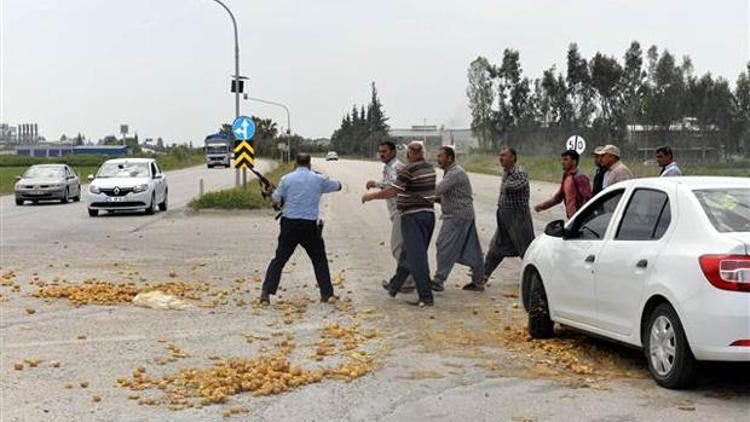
pixel 662 345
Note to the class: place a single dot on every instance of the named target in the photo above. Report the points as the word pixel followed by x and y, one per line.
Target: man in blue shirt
pixel 299 193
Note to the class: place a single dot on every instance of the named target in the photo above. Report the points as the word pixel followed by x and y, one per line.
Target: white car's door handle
pixel 643 263
pixel 590 258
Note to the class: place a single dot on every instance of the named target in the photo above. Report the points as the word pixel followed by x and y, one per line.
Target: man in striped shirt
pixel 391 167
pixel 414 191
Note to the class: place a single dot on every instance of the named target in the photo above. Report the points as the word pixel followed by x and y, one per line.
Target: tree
pixel 633 80
pixel 481 96
pixel 362 128
pixel 579 87
pixel 607 81
pixel 741 111
pixel 663 105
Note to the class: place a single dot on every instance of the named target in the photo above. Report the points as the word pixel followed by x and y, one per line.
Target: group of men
pixel 411 191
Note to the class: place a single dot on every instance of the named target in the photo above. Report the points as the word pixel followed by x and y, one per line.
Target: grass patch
pixel 243 198
pixel 548 169
pixel 14 165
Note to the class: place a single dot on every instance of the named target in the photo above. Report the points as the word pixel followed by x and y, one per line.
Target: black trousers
pixel 305 233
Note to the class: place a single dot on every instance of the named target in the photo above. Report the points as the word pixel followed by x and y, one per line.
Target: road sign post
pixel 243 129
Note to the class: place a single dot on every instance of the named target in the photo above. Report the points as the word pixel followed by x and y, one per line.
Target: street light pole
pixel 236 77
pixel 288 121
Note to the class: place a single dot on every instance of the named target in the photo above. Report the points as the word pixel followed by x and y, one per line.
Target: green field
pixel 548 168
pixel 246 198
pixel 13 165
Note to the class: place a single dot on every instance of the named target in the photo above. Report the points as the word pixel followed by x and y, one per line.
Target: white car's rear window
pixel 728 209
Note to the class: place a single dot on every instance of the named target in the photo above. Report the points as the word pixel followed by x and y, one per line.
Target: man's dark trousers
pixel 299 232
pixel 416 229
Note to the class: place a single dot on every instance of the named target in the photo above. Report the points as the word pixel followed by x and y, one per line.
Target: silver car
pixel 42 182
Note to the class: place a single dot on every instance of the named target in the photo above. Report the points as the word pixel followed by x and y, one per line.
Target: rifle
pixel 266 187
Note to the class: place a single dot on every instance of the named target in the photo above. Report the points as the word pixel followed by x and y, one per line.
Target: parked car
pixel 662 264
pixel 42 182
pixel 128 184
pixel 332 156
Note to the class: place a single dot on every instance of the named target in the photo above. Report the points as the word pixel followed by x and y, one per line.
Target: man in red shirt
pixel 575 188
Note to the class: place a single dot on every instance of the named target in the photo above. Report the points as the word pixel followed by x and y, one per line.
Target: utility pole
pixel 236 82
pixel 288 122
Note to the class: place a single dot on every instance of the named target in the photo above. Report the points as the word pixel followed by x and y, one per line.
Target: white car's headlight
pixel 94 189
pixel 140 188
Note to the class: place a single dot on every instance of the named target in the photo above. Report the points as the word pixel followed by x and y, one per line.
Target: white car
pixel 127 184
pixel 662 264
pixel 332 156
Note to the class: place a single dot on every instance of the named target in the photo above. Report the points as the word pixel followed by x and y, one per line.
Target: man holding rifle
pixel 299 195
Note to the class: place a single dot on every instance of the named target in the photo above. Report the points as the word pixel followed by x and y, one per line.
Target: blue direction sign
pixel 243 128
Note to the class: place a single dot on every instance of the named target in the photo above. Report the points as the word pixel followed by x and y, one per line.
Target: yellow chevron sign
pixel 244 155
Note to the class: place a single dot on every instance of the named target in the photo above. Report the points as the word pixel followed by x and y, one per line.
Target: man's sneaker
pixel 387 286
pixel 435 286
pixel 474 287
pixel 422 303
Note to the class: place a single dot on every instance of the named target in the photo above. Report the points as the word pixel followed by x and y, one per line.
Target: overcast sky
pixel 164 66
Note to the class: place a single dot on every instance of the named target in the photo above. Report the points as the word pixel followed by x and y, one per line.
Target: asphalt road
pixel 22 228
pixel 463 359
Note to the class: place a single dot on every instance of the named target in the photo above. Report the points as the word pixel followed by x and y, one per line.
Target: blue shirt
pixel 301 190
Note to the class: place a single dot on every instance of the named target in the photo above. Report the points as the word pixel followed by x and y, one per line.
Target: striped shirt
pixel 514 189
pixel 455 193
pixel 416 186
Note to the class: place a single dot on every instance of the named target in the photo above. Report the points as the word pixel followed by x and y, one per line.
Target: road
pixel 466 358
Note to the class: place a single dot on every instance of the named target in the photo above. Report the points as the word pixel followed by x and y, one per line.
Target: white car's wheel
pixel 152 206
pixel 540 324
pixel 163 205
pixel 93 213
pixel 670 359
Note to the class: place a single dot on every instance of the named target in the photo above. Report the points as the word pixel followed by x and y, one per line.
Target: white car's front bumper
pixel 128 202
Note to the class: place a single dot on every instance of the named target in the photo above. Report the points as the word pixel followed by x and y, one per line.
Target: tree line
pixel 656 91
pixel 362 129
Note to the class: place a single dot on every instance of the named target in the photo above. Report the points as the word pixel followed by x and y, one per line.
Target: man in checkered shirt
pixel 515 230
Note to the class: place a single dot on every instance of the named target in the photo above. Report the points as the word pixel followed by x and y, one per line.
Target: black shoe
pixel 436 287
pixel 329 299
pixel 422 303
pixel 387 286
pixel 474 287
pixel 265 298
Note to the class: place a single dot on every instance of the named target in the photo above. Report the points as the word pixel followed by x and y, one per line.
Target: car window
pixel 153 170
pixel 158 169
pixel 647 216
pixel 44 172
pixel 728 209
pixel 123 169
pixel 593 221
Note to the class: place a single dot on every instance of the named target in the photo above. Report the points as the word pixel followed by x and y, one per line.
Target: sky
pixel 164 67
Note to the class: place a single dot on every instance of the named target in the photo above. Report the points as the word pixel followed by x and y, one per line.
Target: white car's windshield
pixel 728 209
pixel 123 170
pixel 44 173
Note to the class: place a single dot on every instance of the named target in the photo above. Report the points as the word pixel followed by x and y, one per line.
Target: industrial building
pixel 59 150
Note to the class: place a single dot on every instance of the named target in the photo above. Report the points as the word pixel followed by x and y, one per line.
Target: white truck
pixel 219 150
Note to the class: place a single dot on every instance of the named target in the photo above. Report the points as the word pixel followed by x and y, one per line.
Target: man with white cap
pixel 617 171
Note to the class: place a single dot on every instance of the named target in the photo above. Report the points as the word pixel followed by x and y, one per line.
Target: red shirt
pixel 575 190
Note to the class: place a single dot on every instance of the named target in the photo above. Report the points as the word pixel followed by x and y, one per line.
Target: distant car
pixel 332 156
pixel 128 184
pixel 42 182
pixel 660 264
